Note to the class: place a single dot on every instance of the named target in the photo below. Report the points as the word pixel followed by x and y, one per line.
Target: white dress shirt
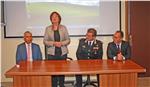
pixel 91 42
pixel 30 48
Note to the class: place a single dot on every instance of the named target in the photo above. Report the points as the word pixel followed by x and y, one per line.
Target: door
pixel 140 31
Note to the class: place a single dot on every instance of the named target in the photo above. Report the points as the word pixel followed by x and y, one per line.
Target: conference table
pixel 111 73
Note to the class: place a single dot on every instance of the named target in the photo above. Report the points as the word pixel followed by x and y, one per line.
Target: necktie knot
pixel 118 48
pixel 89 43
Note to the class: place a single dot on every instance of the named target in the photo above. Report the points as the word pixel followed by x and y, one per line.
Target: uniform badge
pixel 95 48
pixel 83 46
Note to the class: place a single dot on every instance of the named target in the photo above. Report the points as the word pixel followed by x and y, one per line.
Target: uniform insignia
pixel 95 48
pixel 83 46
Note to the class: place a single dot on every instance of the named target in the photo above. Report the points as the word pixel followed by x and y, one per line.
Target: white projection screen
pixel 77 16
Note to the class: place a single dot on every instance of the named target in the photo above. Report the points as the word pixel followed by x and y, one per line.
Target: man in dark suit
pixel 118 49
pixel 88 48
pixel 28 51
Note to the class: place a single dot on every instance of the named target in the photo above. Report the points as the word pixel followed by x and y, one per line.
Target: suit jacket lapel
pixel 25 50
pixel 51 33
pixel 60 33
pixel 95 42
pixel 114 46
pixel 32 50
pixel 122 46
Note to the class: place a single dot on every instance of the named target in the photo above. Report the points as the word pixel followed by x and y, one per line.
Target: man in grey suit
pixel 89 48
pixel 118 49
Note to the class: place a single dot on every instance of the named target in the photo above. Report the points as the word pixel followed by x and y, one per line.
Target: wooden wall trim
pixel 126 21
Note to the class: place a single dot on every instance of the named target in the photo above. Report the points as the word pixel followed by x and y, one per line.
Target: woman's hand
pixel 57 44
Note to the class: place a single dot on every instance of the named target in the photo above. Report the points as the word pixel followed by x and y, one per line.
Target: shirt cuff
pixel 17 65
pixel 114 58
pixel 123 58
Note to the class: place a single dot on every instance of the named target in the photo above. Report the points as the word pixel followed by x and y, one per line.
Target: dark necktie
pixel 118 48
pixel 89 44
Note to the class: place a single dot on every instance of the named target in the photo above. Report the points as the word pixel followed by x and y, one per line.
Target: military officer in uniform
pixel 88 48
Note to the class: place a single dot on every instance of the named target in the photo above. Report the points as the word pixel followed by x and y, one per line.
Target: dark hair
pixel 27 32
pixel 121 33
pixel 93 31
pixel 57 14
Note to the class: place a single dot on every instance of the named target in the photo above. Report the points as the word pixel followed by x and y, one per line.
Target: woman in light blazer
pixel 56 40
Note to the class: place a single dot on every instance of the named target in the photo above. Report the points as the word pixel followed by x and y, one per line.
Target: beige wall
pixel 9 46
